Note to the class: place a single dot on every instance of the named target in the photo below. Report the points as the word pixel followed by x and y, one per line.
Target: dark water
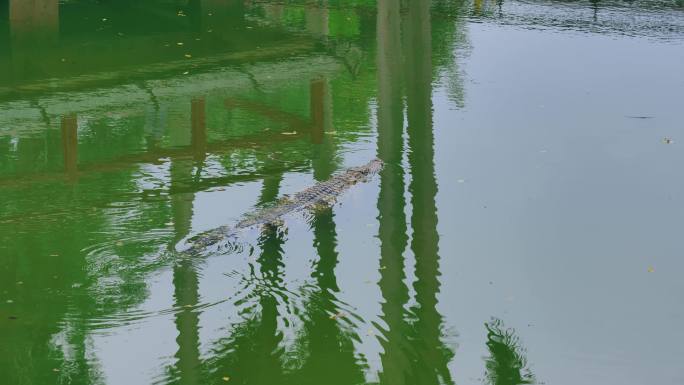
pixel 526 227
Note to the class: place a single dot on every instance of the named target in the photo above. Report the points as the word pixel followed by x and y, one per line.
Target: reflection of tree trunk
pixel 185 280
pixel 392 220
pixel 330 348
pixel 432 356
pixel 264 355
pixel 186 286
pixel 198 141
pixel 251 354
pixel 324 152
pixel 70 144
pixel 265 358
pixel 321 109
pixel 187 323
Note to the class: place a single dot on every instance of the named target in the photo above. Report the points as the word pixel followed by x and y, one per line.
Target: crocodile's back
pixel 322 192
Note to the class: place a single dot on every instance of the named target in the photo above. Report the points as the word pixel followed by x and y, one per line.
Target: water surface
pixel 525 228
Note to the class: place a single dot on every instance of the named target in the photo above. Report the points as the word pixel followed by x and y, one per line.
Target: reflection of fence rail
pixel 255 141
pixel 26 116
pixel 170 68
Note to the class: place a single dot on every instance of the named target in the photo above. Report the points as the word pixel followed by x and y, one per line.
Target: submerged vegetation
pixel 506 364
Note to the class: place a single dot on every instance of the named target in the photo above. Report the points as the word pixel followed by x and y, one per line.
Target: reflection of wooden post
pixel 198 116
pixel 274 12
pixel 321 114
pixel 70 143
pixel 316 19
pixel 33 17
pixel 34 25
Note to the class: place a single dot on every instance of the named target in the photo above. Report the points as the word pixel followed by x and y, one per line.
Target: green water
pixel 525 228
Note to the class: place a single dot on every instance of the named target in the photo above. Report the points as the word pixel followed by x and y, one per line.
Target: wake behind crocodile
pixel 325 193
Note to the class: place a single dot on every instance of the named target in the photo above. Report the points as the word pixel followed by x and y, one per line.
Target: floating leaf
pixel 338 315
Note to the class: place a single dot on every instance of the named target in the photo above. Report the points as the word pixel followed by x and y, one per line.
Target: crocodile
pixel 322 193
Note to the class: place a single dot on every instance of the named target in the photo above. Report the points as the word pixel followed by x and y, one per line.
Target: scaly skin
pixel 322 193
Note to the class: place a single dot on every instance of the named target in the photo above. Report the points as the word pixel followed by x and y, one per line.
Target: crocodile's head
pixel 361 173
pixel 374 166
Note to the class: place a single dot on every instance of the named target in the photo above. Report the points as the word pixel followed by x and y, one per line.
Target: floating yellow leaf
pixel 226 378
pixel 187 55
pixel 651 269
